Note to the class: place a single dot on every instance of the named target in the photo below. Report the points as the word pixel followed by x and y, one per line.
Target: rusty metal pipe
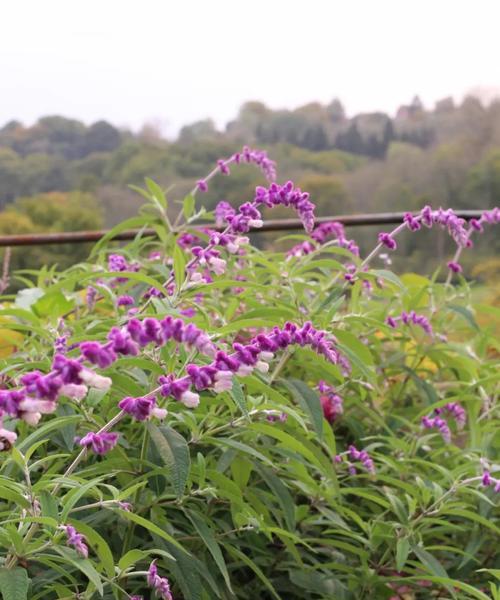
pixel 79 237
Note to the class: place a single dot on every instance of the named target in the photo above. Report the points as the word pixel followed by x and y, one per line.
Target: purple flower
pixel 90 297
pixel 274 416
pixel 331 402
pixel 122 342
pixel 287 195
pixel 387 240
pixel 391 322
pixel 455 411
pixel 411 318
pixel 223 168
pixel 440 424
pixel 455 267
pixel 223 210
pixel 363 457
pixel 487 479
pixel 160 585
pixel 41 386
pixel 101 443
pixel 96 353
pixel 125 300
pixel 186 240
pixel 201 185
pixel 412 223
pixel 75 539
pixel 142 408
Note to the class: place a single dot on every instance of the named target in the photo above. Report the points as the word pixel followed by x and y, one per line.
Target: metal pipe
pixel 78 237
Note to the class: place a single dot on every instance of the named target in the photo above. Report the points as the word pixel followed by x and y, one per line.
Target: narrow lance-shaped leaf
pixel 174 452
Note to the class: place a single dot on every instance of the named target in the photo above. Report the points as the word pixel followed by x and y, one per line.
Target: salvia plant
pixel 190 417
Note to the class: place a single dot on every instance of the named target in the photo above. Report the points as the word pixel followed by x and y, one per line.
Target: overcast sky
pixel 174 62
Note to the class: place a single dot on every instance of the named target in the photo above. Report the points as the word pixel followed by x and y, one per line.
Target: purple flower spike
pixel 101 443
pixel 160 585
pixel 440 424
pixel 75 539
pixel 363 457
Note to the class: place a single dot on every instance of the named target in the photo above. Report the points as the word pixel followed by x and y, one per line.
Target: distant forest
pixel 60 174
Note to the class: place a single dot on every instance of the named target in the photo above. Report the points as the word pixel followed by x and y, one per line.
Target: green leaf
pixel 174 452
pixel 14 583
pixel 402 551
pixel 156 192
pixel 468 316
pixel 309 401
pixel 130 558
pixel 49 505
pixel 389 276
pixel 429 562
pixel 12 496
pixel 238 395
pixel 130 516
pixel 52 304
pixel 179 266
pixel 123 226
pixel 84 565
pixel 213 547
pixel 42 430
pixel 188 206
pixel 282 494
pixel 250 563
pixel 99 545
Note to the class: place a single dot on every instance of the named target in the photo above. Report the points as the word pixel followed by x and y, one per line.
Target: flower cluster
pixel 453 411
pixel 39 393
pixel 446 219
pixel 331 402
pixel 118 264
pixel 248 214
pixel 319 236
pixel 101 443
pixel 440 424
pixel 69 377
pixel 128 339
pixel 160 585
pixel 218 375
pixel 247 155
pixel 353 454
pixel 274 416
pixel 142 408
pixel 411 317
pixel 75 539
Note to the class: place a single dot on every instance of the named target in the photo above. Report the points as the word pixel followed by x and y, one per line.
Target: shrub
pixel 194 418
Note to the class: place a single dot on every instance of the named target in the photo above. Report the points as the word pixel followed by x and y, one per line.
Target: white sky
pixel 174 62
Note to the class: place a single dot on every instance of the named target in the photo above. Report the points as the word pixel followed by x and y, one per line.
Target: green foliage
pixel 241 497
